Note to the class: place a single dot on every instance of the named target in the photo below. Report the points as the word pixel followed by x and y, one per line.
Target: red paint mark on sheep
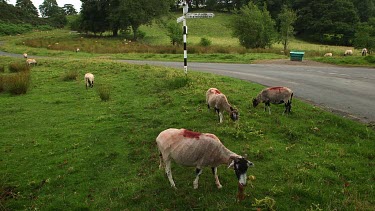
pixel 276 88
pixel 215 91
pixel 191 134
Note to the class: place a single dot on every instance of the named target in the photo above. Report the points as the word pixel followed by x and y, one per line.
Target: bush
pixel 2 69
pixel 104 92
pixel 205 42
pixel 16 67
pixel 2 83
pixel 18 83
pixel 370 59
pixel 70 75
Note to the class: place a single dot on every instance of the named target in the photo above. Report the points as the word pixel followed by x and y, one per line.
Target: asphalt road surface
pixel 348 91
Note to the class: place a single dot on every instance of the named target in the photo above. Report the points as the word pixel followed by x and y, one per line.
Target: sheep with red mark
pixel 31 62
pixel 219 101
pixel 275 95
pixel 89 80
pixel 198 150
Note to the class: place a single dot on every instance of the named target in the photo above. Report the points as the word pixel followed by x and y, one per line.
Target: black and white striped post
pixel 182 19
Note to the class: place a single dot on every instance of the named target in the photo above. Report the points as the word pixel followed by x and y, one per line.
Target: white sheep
pixel 275 95
pixel 216 99
pixel 31 62
pixel 364 52
pixel 89 80
pixel 198 150
pixel 77 50
pixel 348 53
pixel 24 55
pixel 328 54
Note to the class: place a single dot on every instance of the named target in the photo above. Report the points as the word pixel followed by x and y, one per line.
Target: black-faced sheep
pixel 275 95
pixel 89 80
pixel 364 52
pixel 198 150
pixel 31 62
pixel 348 53
pixel 219 101
pixel 24 55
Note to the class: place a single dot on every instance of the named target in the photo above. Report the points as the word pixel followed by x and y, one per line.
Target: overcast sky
pixel 37 3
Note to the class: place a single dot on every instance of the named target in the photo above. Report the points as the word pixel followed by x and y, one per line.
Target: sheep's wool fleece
pixel 192 149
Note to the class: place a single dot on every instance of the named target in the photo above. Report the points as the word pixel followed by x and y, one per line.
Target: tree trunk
pixel 115 32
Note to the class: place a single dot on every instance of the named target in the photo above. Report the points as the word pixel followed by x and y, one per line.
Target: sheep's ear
pixel 250 164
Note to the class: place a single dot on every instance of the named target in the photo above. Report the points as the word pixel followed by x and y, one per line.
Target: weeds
pixel 15 67
pixel 17 83
pixel 70 75
pixel 2 69
pixel 104 92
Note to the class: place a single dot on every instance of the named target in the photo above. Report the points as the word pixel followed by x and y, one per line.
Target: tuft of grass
pixel 104 92
pixel 2 83
pixel 17 83
pixel 205 42
pixel 71 75
pixel 15 67
pixel 2 69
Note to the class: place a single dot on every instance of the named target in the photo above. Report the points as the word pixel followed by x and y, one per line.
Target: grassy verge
pixel 64 148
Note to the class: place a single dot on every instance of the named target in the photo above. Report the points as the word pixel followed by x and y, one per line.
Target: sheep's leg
pixel 168 171
pixel 198 172
pixel 160 161
pixel 217 182
pixel 219 114
pixel 267 104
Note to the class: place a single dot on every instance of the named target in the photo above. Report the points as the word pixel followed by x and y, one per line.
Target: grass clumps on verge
pixel 104 92
pixel 15 67
pixel 71 75
pixel 17 83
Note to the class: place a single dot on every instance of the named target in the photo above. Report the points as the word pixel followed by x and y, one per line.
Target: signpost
pixel 182 19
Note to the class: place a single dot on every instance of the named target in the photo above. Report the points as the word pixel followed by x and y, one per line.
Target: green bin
pixel 296 56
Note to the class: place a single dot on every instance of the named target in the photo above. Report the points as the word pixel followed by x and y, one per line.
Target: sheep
pixel 24 55
pixel 31 62
pixel 218 100
pixel 364 51
pixel 198 150
pixel 328 54
pixel 77 50
pixel 348 53
pixel 275 95
pixel 89 80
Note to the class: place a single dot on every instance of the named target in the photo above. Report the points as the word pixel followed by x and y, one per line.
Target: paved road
pixel 348 91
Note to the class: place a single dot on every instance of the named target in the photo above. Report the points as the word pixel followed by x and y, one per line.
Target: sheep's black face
pixel 240 168
pixel 234 115
pixel 255 102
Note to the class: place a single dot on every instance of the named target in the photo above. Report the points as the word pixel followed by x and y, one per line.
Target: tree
pixel 55 14
pixel 365 35
pixel 174 33
pixel 287 17
pixel 253 27
pixel 69 9
pixel 27 7
pixel 95 16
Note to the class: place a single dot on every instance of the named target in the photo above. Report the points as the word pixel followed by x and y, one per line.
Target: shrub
pixel 370 59
pixel 18 83
pixel 2 85
pixel 104 92
pixel 15 67
pixel 2 69
pixel 205 42
pixel 70 75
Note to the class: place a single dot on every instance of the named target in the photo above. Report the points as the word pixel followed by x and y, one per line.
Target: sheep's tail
pixel 291 97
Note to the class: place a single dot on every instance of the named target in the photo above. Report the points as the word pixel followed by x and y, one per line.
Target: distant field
pixel 63 148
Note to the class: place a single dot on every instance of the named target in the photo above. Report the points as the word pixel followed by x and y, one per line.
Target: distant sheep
pixel 24 55
pixel 31 62
pixel 348 53
pixel 328 54
pixel 275 95
pixel 89 80
pixel 218 100
pixel 364 52
pixel 77 50
pixel 198 150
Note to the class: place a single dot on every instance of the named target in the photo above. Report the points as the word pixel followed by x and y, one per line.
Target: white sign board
pixel 180 19
pixel 199 15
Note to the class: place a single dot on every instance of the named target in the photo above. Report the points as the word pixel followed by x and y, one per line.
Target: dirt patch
pixel 297 63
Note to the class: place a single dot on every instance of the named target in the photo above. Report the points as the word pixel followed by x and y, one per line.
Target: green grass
pixel 63 148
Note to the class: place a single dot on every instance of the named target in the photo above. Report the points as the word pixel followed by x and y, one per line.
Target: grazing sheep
pixel 198 150
pixel 275 95
pixel 24 55
pixel 348 53
pixel 364 52
pixel 218 100
pixel 31 62
pixel 328 54
pixel 77 50
pixel 89 79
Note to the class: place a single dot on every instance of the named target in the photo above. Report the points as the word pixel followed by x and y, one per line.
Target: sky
pixel 76 3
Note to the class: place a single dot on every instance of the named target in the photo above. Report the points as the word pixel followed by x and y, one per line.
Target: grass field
pixel 63 148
